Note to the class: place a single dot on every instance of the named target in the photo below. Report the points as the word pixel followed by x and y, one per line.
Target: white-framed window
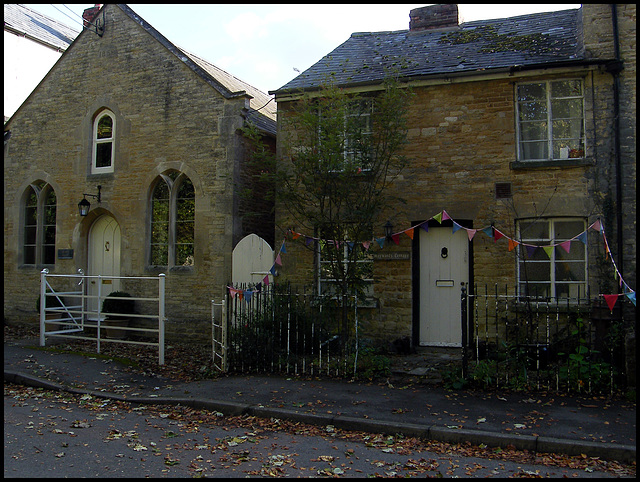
pixel 173 209
pixel 39 225
pixel 353 140
pixel 550 120
pixel 358 264
pixel 104 132
pixel 545 269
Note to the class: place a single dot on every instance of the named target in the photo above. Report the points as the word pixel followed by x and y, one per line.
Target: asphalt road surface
pixel 55 434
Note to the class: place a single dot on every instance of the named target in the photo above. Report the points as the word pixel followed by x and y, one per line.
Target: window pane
pixel 103 154
pixel 30 255
pixel 567 229
pixel 534 230
pixel 535 271
pixel 530 111
pixel 184 255
pixel 533 131
pixel 570 271
pixel 531 92
pixel 534 150
pixel 159 255
pixel 537 290
pixel 566 108
pixel 49 255
pixel 566 88
pixel 105 127
pixel 30 235
pixel 50 235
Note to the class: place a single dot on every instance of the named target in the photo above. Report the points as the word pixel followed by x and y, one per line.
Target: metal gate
pixel 74 319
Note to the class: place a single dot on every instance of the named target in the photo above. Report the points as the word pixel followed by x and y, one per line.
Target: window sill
pixel 559 163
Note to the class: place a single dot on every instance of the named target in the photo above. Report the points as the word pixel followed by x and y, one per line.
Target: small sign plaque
pixel 65 254
pixel 391 256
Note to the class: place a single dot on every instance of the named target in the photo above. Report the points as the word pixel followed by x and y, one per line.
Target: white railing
pixel 76 318
pixel 219 337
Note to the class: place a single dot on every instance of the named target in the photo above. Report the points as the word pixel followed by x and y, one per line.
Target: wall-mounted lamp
pixel 388 229
pixel 85 205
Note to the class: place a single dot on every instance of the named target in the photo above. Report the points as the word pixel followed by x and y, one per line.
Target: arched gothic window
pixel 104 131
pixel 172 221
pixel 39 235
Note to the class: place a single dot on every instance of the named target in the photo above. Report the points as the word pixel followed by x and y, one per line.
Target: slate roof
pixel 22 20
pixel 473 48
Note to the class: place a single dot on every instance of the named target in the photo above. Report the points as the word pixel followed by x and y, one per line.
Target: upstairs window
pixel 344 135
pixel 39 236
pixel 172 221
pixel 104 128
pixel 550 120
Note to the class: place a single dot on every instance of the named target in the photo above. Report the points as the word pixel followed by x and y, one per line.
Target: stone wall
pixel 167 117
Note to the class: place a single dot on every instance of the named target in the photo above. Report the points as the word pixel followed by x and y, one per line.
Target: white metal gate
pixel 75 316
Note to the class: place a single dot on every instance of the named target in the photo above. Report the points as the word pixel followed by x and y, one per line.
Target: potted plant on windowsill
pixel 49 314
pixel 117 308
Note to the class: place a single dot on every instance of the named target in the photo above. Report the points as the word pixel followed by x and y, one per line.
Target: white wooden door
pixel 252 260
pixel 444 265
pixel 104 259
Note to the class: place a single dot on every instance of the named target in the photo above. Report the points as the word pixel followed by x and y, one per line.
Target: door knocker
pixel 444 253
pixel 106 246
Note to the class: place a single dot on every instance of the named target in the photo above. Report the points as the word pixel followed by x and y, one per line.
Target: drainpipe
pixel 616 134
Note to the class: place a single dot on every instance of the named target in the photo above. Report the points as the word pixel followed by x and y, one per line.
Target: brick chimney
pixel 433 17
pixel 89 14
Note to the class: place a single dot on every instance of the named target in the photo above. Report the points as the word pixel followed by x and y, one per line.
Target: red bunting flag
pixel 496 235
pixel 396 238
pixel 611 300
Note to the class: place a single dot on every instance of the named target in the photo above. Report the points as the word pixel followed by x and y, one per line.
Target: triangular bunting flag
pixel 350 245
pixel 283 249
pixel 366 244
pixel 380 242
pixel 548 250
pixel 425 226
pixel 597 225
pixel 396 238
pixel 632 297
pixel 265 280
pixel 488 231
pixel 471 233
pixel 512 244
pixel 247 295
pixel 456 227
pixel 445 215
pixel 438 217
pixel 308 240
pixel 409 232
pixel 566 246
pixel 296 235
pixel 278 260
pixel 497 235
pixel 531 250
pixel 273 270
pixel 611 301
pixel 583 237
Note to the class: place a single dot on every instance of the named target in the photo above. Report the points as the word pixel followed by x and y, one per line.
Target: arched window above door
pixel 104 134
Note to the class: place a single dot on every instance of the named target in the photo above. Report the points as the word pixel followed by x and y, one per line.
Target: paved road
pixel 54 434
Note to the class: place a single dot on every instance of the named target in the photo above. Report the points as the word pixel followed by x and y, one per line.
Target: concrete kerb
pixel 618 452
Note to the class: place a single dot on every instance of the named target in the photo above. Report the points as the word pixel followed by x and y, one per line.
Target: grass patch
pixel 123 361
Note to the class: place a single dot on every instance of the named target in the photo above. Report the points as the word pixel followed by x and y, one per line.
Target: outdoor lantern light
pixel 85 205
pixel 388 229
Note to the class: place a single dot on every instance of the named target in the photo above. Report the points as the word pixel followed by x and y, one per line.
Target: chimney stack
pixel 89 14
pixel 433 17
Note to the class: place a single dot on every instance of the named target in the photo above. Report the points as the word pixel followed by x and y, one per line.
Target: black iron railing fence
pixel 508 341
pixel 562 344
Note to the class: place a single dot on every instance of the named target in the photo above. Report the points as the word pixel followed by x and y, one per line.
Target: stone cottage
pixel 148 135
pixel 521 141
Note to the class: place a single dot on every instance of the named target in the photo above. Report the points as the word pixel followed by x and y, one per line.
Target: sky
pixel 269 45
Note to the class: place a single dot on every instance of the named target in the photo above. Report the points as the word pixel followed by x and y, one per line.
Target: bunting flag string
pixel 490 231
